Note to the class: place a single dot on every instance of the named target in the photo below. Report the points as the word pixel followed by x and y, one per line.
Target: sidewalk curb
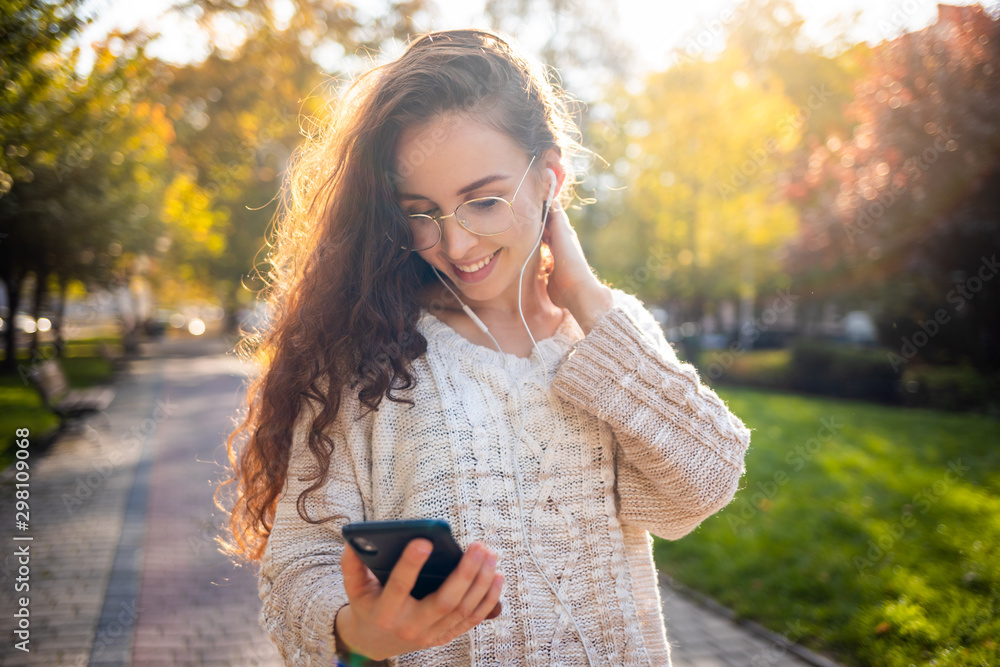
pixel 754 628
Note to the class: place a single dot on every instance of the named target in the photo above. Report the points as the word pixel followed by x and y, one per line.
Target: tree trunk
pixel 36 308
pixel 13 281
pixel 60 315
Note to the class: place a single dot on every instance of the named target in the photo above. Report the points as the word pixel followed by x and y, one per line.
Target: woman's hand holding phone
pixel 381 622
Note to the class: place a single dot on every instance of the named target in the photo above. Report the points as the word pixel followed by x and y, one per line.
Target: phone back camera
pixel 364 545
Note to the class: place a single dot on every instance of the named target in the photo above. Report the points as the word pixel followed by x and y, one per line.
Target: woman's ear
pixel 551 161
pixel 553 185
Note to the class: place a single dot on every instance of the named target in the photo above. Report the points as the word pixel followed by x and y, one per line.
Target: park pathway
pixel 123 565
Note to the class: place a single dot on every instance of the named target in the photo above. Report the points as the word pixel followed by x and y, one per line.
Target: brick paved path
pixel 124 570
pixel 77 492
pixel 702 637
pixel 197 609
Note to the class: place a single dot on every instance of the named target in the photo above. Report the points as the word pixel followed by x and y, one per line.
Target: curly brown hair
pixel 343 297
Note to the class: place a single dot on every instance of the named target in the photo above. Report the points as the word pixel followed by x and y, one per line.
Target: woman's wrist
pixel 345 653
pixel 590 304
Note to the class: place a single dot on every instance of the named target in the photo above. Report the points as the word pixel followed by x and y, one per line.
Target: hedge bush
pixel 951 388
pixel 832 369
pixel 837 370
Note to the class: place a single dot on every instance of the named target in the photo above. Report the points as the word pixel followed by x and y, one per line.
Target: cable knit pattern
pixel 620 440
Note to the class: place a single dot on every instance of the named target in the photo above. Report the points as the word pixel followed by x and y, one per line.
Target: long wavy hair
pixel 343 297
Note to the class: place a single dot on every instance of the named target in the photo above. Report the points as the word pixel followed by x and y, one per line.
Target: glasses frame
pixel 438 218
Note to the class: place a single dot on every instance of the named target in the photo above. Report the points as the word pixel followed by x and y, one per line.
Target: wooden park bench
pixel 67 404
pixel 111 355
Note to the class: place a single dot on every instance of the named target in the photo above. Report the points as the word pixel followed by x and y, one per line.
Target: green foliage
pixel 137 170
pixel 698 202
pixel 81 157
pixel 696 208
pixel 237 124
pixel 837 370
pixel 961 387
pixel 833 369
pixel 875 529
pixel 31 32
pixel 766 369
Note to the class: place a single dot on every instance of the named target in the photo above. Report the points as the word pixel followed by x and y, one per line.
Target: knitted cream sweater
pixel 628 442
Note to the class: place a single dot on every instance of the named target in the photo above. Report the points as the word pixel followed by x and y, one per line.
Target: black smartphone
pixel 379 544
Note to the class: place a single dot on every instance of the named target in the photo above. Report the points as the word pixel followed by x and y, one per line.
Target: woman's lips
pixel 476 276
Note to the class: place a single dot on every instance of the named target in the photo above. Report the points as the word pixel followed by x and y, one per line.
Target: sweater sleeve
pixel 681 451
pixel 300 581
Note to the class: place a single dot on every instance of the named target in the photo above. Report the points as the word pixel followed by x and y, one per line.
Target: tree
pixel 902 210
pixel 238 119
pixel 702 145
pixel 696 210
pixel 69 153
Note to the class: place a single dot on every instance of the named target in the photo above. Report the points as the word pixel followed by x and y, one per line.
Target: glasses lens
pixel 425 232
pixel 490 215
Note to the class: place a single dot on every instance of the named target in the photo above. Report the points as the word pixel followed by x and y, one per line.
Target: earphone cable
pixel 521 403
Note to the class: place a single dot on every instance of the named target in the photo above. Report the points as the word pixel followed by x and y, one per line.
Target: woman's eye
pixel 483 204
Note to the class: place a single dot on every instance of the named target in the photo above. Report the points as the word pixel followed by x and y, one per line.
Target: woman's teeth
pixel 472 268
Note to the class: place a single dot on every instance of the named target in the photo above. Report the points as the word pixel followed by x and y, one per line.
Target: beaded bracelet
pixel 355 660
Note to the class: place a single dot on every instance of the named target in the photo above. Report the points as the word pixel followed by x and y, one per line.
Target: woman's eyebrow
pixel 486 180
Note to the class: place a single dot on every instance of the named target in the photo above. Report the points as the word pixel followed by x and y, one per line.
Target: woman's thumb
pixel 357 576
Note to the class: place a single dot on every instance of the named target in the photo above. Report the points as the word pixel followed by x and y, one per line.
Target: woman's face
pixel 436 163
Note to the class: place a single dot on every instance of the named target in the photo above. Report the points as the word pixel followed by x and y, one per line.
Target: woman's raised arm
pixel 681 449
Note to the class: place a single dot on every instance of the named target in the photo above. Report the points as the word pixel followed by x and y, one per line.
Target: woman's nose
pixel 456 239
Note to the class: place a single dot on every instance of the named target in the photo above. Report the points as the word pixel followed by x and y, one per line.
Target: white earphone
pixel 553 182
pixel 546 207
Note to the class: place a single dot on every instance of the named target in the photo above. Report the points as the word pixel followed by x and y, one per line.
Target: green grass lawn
pixel 20 405
pixel 867 532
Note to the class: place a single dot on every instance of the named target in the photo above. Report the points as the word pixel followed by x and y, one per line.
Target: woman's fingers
pixel 479 588
pixel 358 579
pixel 498 607
pixel 462 609
pixel 453 590
pixel 404 574
pixel 488 607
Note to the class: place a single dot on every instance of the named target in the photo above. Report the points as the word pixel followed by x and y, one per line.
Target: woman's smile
pixel 473 273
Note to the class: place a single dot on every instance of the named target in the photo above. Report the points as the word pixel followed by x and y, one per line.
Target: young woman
pixel 423 256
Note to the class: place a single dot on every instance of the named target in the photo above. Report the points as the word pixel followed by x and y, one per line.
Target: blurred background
pixel 806 194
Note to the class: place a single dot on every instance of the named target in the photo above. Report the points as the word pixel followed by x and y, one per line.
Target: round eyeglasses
pixel 484 216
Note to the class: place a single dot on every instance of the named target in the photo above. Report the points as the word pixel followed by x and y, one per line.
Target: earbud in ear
pixel 553 182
